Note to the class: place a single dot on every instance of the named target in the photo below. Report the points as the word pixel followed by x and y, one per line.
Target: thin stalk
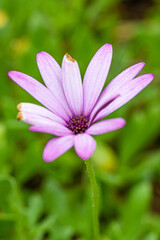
pixel 94 187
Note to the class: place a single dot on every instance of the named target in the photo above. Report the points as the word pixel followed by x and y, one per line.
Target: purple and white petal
pixel 38 110
pixel 126 93
pixel 72 84
pixel 52 76
pixel 56 147
pixel 50 71
pixel 106 126
pixel 34 119
pixel 113 88
pixel 54 129
pixel 95 76
pixel 84 145
pixel 39 92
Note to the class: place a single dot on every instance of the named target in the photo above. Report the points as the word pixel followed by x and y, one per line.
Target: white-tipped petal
pixel 34 119
pixel 38 110
pixel 72 84
pixel 95 76
pixel 52 77
pixel 39 92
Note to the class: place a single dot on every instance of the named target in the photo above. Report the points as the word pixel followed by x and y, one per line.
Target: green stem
pixel 94 187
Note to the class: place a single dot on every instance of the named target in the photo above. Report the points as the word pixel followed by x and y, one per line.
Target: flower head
pixel 72 110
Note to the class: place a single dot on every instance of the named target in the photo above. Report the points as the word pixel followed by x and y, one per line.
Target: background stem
pixel 94 187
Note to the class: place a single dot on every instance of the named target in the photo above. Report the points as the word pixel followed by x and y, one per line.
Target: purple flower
pixel 72 109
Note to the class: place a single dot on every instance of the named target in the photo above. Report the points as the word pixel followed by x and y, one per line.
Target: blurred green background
pixel 52 201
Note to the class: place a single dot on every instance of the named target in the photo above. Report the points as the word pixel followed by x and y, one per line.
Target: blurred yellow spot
pixel 3 18
pixel 20 45
pixel 105 158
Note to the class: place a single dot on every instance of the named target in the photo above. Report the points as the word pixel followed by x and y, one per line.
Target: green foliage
pixel 52 200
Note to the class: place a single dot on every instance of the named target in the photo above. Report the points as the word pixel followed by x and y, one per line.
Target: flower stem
pixel 94 187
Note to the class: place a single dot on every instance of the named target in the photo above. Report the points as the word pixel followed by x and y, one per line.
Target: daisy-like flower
pixel 72 111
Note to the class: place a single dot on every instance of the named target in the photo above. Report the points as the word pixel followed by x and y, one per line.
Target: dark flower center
pixel 78 124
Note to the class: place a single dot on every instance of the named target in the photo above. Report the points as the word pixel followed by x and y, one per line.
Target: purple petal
pixel 38 110
pixel 126 93
pixel 50 70
pixel 43 124
pixel 72 84
pixel 34 119
pixel 52 76
pixel 39 92
pixel 56 147
pixel 113 88
pixel 84 145
pixel 54 129
pixel 106 126
pixel 95 76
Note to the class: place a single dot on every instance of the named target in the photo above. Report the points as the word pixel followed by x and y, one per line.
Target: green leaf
pixel 133 213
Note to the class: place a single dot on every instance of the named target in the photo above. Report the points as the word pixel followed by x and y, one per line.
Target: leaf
pixel 134 211
pixel 35 209
pixel 139 132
